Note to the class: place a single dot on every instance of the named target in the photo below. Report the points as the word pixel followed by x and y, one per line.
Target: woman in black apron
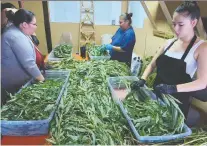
pixel 171 72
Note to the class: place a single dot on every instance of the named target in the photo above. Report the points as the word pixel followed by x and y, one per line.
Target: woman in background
pixel 123 41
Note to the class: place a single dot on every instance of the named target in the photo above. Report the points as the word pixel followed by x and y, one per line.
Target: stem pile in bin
pixel 97 50
pixel 63 51
pixel 34 102
pixel 150 117
pixel 87 113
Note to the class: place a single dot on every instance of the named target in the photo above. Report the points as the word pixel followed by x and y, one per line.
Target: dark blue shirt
pixel 126 41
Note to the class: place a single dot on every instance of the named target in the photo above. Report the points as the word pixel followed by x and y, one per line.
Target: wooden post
pixel 201 30
pixel 47 25
pixel 21 4
pixel 127 3
pixel 148 14
pixel 166 13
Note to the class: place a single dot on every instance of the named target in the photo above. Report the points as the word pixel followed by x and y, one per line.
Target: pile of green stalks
pixel 96 50
pixel 87 114
pixel 34 102
pixel 198 137
pixel 150 117
pixel 63 51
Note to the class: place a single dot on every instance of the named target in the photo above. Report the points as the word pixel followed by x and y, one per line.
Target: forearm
pixel 147 72
pixel 118 49
pixel 192 86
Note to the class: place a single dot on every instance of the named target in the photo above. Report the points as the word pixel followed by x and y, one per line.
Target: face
pixel 29 28
pixel 182 24
pixel 124 24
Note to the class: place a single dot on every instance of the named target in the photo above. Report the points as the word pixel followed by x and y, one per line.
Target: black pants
pixel 185 99
pixel 200 95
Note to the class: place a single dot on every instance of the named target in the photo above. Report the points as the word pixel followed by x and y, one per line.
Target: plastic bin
pixel 99 57
pixel 51 56
pixel 107 57
pixel 144 139
pixel 35 127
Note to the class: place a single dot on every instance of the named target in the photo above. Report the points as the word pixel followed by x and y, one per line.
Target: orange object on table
pixel 78 57
pixel 24 140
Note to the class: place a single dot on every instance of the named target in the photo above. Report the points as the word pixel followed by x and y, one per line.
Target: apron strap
pixel 189 47
pixel 170 46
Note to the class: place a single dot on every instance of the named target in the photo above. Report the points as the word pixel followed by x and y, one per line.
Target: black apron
pixel 200 95
pixel 172 71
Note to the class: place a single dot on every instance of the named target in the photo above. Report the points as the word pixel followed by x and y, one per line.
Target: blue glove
pixel 109 47
pixel 166 89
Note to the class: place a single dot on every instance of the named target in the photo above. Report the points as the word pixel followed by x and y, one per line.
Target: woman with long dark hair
pixel 180 58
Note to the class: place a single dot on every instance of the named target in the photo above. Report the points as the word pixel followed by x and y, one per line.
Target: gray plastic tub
pixel 51 56
pixel 35 127
pixel 107 57
pixel 143 139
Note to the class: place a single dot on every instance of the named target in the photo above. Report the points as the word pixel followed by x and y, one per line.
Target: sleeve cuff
pixel 34 71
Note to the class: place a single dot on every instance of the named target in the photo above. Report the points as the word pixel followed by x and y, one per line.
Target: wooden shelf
pixel 87 28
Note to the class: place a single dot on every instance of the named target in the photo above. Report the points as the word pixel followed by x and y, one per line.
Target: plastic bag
pixel 66 38
pixel 106 39
pixel 136 66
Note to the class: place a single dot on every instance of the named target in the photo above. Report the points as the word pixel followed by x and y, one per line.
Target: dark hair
pixel 9 14
pixel 127 16
pixel 21 16
pixel 35 40
pixel 191 7
pixel 6 5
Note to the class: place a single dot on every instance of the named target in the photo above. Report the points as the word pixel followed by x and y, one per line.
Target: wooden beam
pixel 127 4
pixel 148 14
pixel 47 25
pixel 201 30
pixel 21 4
pixel 166 13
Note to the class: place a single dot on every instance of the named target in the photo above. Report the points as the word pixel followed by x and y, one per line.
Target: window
pixel 139 14
pixel 106 11
pixel 64 11
pixel 69 11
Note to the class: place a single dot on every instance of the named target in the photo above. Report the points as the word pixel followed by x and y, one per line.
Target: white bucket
pixel 106 39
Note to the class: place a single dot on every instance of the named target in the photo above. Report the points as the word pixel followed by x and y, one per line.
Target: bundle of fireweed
pixel 152 117
pixel 87 113
pixel 34 102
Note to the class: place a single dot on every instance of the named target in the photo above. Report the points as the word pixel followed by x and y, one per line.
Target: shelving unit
pixel 87 26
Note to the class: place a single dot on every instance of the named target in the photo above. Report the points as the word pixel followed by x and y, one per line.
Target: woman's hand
pixel 109 47
pixel 137 84
pixel 40 78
